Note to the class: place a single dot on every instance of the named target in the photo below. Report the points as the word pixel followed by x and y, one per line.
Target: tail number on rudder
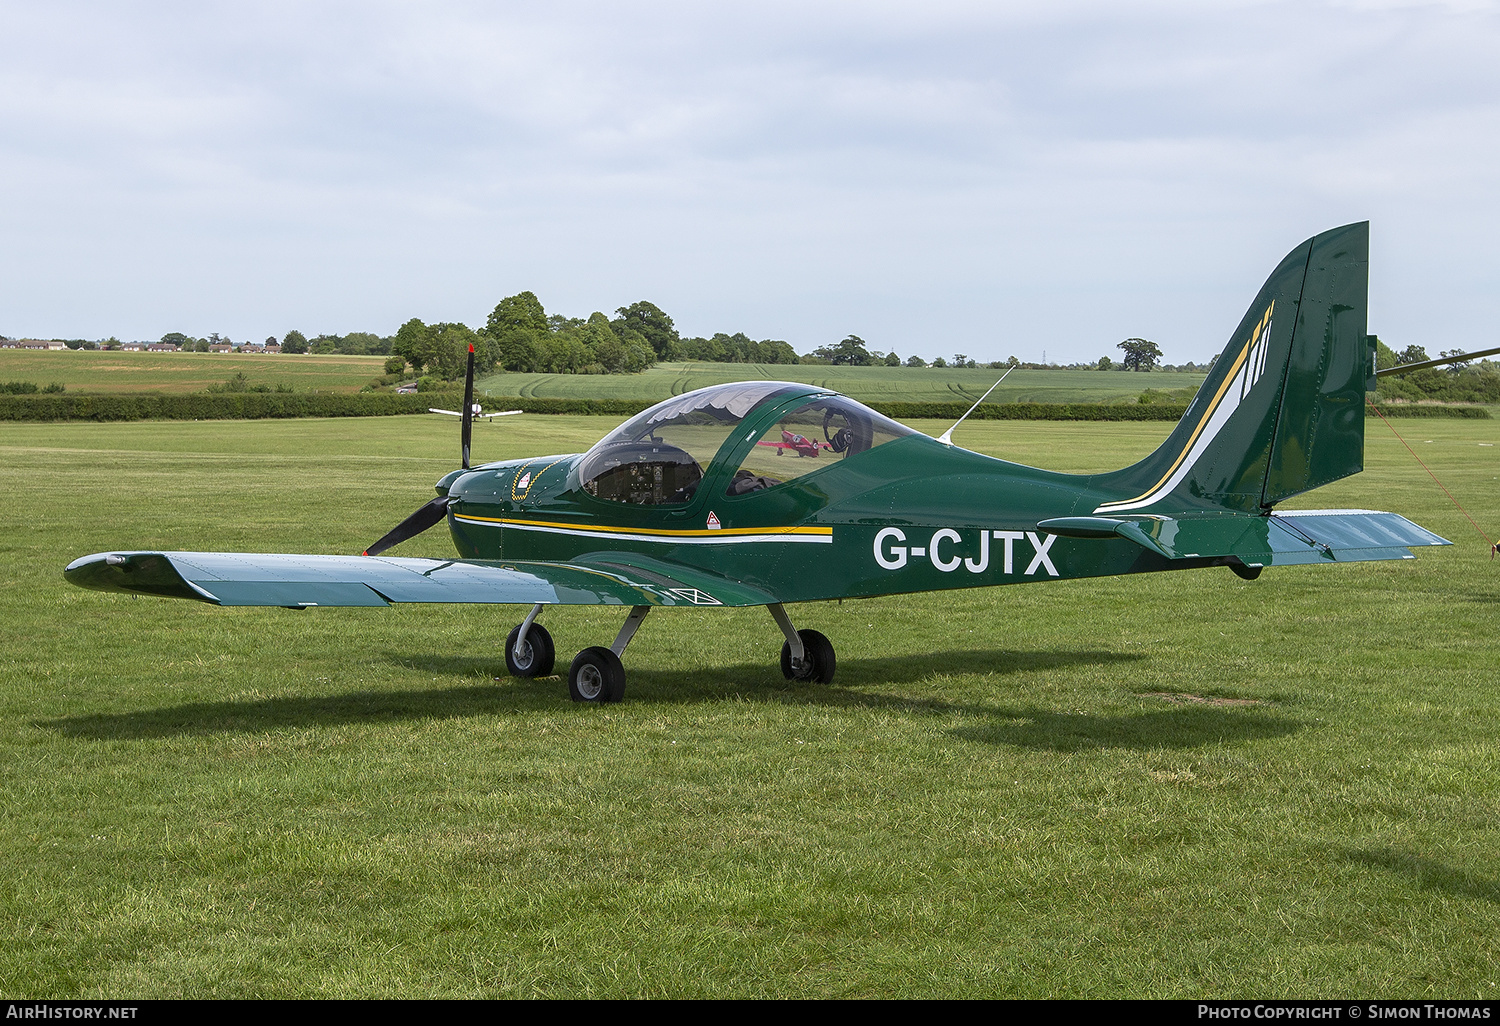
pixel 947 545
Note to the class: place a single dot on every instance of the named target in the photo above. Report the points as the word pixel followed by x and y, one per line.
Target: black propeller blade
pixel 433 512
pixel 468 405
pixel 421 520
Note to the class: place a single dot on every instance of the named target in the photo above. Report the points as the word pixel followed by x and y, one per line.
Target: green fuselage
pixel 910 515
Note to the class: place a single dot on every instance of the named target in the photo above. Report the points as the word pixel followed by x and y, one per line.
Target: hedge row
pixel 210 406
pixel 1031 411
pixel 1412 410
pixel 262 405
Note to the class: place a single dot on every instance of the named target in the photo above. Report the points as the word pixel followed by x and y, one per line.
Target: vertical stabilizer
pixel 1282 410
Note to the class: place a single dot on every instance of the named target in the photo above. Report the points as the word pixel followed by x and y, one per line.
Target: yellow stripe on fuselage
pixel 656 531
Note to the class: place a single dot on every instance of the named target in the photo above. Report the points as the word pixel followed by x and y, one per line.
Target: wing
pixel 300 581
pixel 1281 539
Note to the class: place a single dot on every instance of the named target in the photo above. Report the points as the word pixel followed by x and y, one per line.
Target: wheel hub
pixel 590 682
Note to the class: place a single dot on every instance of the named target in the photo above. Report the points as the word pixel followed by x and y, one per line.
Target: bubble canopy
pixel 660 457
pixel 657 458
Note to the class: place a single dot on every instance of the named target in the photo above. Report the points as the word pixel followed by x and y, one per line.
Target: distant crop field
pixel 925 384
pixel 99 371
pixel 1178 785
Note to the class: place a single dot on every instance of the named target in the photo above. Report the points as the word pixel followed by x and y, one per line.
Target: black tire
pixel 596 676
pixel 819 659
pixel 538 655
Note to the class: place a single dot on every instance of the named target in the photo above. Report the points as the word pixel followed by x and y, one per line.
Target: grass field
pixel 868 384
pixel 1173 786
pixel 99 371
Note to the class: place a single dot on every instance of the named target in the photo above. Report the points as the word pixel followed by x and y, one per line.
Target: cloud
pixel 1009 176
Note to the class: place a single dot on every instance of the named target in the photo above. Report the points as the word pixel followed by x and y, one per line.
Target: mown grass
pixel 868 384
pixel 1177 785
pixel 114 371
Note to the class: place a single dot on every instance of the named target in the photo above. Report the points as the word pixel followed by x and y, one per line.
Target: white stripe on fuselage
pixel 732 539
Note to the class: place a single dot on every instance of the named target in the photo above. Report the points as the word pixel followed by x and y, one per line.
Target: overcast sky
pixel 988 178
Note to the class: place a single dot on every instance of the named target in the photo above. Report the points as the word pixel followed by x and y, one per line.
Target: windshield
pixel 658 457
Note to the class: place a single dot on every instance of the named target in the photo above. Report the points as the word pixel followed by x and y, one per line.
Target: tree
pixel 962 360
pixel 523 310
pixel 1140 354
pixel 1105 363
pixel 177 338
pixel 653 325
pixel 410 340
pixel 850 352
pixel 1454 368
pixel 393 364
pixel 892 360
pixel 518 327
pixel 1412 354
pixel 915 361
pixel 294 342
pixel 940 362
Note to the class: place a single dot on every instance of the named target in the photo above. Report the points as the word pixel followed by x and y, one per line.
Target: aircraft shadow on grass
pixel 1027 727
pixel 1427 874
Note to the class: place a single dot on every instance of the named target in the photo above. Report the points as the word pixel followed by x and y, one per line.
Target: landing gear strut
pixel 806 654
pixel 529 651
pixel 597 674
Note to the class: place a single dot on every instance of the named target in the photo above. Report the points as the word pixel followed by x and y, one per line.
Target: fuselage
pixel 911 514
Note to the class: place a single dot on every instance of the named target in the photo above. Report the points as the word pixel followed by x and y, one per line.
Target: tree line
pixel 519 335
pixel 1462 382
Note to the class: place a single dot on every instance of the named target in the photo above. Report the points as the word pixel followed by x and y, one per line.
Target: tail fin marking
pixel 1247 369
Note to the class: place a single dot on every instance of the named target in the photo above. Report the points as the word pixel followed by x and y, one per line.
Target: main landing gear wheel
pixel 537 654
pixel 818 662
pixel 596 676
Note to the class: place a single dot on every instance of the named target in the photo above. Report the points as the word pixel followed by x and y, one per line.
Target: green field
pixel 868 384
pixel 86 370
pixel 98 371
pixel 1173 786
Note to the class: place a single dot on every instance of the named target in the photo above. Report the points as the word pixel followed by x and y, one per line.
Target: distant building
pixel 37 343
pixel 273 348
pixel 162 347
pixel 222 347
pixel 132 347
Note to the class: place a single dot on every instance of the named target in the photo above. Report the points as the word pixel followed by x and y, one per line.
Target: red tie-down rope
pixel 1494 548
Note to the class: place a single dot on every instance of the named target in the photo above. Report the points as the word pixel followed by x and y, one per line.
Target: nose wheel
pixel 806 654
pixel 817 662
pixel 529 651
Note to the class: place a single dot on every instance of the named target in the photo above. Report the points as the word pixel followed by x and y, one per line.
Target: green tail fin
pixel 1282 411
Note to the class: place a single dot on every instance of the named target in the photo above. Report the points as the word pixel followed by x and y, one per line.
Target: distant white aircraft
pixel 478 412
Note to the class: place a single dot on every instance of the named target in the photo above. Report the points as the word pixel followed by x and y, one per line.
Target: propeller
pixel 433 512
pixel 429 515
pixel 468 429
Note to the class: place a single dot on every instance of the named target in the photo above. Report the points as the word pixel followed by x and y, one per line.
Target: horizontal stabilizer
pixel 300 581
pixel 1280 539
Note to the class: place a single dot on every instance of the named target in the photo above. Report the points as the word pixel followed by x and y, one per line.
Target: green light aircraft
pixel 764 493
